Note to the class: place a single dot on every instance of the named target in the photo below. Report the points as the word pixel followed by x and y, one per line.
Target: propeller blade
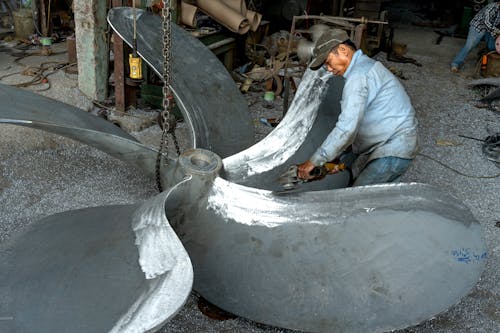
pixel 25 108
pixel 363 259
pixel 91 270
pixel 212 106
pixel 311 117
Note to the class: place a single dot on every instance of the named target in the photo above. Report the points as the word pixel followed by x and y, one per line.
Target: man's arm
pixel 353 105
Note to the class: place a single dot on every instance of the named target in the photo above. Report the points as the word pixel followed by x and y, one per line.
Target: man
pixel 484 25
pixel 377 119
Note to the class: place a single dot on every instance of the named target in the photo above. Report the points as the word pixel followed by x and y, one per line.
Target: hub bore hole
pixel 200 161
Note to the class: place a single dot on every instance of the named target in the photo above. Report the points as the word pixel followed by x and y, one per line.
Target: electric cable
pixel 38 73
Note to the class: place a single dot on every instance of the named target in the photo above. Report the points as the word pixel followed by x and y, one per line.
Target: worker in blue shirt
pixel 376 120
pixel 485 25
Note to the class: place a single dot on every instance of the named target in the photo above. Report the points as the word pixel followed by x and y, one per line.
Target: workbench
pixel 222 45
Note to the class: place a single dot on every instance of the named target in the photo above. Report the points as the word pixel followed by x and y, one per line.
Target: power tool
pixel 290 179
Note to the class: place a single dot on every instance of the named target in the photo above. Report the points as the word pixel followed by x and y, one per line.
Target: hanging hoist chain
pixel 167 119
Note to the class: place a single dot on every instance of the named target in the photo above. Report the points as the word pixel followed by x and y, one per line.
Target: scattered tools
pixel 271 122
pixel 391 56
pixel 289 180
pixel 490 147
pixel 396 51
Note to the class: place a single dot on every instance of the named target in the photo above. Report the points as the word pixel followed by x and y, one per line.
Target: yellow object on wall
pixel 135 64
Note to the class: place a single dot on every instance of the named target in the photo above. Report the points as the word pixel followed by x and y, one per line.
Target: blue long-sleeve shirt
pixel 376 117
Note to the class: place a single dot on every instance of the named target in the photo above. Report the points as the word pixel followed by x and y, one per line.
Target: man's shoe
pixel 454 69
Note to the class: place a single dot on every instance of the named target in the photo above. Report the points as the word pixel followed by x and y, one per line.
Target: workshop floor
pixel 41 174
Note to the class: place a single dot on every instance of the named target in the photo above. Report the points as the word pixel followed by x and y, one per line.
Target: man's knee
pixel 382 170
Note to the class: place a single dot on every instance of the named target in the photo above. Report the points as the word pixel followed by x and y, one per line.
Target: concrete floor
pixel 41 174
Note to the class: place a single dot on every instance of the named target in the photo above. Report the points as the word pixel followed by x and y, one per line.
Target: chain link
pixel 163 146
pixel 167 43
pixel 167 120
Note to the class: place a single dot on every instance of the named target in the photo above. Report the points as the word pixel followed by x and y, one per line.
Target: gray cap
pixel 325 43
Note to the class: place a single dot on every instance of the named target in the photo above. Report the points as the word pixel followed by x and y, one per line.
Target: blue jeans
pixel 382 170
pixel 473 38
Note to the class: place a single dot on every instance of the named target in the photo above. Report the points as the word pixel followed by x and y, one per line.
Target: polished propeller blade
pixel 214 109
pixel 103 269
pixel 311 117
pixel 363 259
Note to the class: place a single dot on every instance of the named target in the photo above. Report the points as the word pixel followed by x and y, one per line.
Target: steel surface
pixel 24 108
pixel 364 259
pixel 310 118
pixel 80 271
pixel 214 109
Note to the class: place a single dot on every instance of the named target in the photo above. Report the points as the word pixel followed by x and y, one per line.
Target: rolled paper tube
pixel 238 5
pixel 254 19
pixel 225 15
pixel 188 14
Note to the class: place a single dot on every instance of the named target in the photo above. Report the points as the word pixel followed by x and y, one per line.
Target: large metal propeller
pixel 331 258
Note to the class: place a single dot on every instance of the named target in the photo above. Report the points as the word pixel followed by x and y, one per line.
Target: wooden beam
pixel 92 47
pixel 43 18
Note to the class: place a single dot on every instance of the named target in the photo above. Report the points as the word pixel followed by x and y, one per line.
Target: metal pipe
pixel 340 18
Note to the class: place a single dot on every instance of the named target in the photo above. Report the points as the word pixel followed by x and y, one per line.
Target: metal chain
pixel 163 147
pixel 167 43
pixel 167 120
pixel 176 144
pixel 164 124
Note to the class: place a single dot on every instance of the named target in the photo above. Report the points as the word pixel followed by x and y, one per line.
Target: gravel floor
pixel 41 174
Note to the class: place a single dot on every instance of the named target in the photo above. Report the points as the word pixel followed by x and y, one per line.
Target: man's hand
pixel 304 170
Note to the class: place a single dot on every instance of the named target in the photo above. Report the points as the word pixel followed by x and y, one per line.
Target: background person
pixel 484 25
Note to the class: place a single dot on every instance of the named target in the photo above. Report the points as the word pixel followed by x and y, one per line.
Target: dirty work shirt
pixel 487 19
pixel 376 117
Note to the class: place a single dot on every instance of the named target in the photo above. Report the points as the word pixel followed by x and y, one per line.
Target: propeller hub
pixel 200 163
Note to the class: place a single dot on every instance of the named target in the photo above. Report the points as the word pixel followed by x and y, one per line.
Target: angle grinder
pixel 289 180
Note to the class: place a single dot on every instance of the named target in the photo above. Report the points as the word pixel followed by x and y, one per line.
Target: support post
pixel 43 18
pixel 336 8
pixel 92 47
